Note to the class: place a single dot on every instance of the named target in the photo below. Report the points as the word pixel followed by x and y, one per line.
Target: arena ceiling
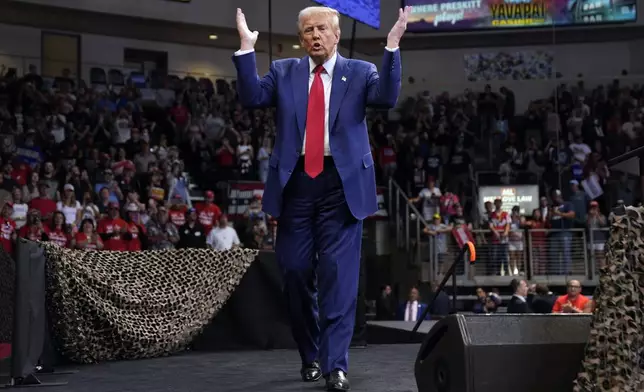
pixel 55 18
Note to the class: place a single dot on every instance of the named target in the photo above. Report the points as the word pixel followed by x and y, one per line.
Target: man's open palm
pixel 396 33
pixel 247 37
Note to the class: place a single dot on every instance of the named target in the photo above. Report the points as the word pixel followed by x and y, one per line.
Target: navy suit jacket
pixel 356 84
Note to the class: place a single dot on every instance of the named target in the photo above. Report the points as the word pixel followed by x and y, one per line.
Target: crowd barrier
pixel 552 256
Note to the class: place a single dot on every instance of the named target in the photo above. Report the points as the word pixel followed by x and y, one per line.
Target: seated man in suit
pixel 386 304
pixel 519 302
pixel 542 300
pixel 413 309
pixel 441 305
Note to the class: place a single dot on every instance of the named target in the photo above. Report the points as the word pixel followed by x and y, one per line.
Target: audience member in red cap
pixel 58 231
pixel 43 202
pixel 7 228
pixel 87 238
pixel 208 212
pixel 178 211
pixel 112 229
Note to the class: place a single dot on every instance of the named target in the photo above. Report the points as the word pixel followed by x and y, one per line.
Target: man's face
pixel 387 290
pixel 413 295
pixel 574 288
pixel 523 288
pixel 319 37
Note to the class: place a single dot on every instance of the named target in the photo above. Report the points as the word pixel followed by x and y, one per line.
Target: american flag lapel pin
pixel 344 78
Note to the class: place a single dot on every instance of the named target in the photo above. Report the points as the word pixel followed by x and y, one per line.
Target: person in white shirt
pixel 69 206
pixel 20 208
pixel 430 197
pixel 223 237
pixel 580 150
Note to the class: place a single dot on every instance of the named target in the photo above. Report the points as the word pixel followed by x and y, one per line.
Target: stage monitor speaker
pixel 502 353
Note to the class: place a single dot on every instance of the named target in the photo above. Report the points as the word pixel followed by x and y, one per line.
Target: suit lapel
pixel 339 86
pixel 300 85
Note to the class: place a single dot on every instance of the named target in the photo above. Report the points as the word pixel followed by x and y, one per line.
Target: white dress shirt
pixel 327 81
pixel 411 311
pixel 222 238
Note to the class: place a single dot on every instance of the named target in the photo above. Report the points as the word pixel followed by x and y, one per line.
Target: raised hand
pixel 396 33
pixel 247 37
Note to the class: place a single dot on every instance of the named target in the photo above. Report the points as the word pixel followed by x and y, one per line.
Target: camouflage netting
pixel 614 359
pixel 113 305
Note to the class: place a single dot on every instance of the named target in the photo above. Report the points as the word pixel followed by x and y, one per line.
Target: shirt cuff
pixel 243 52
pixel 391 50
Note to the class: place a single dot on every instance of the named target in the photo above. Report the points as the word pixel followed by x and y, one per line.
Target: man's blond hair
pixel 318 10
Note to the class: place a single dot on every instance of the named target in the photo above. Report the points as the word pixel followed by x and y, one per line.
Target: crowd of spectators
pixel 561 143
pixel 98 168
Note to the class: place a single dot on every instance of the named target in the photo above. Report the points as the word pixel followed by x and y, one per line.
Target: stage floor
pixel 382 368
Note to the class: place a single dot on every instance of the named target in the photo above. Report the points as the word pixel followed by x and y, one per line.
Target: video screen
pixel 446 15
pixel 364 11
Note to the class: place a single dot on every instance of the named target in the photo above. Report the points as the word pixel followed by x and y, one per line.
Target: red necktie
pixel 314 149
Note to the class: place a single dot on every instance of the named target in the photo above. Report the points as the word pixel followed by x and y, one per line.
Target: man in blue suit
pixel 321 181
pixel 413 309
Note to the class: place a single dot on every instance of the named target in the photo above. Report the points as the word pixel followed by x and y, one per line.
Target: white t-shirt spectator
pixel 19 214
pixel 58 123
pixel 123 129
pixel 431 203
pixel 580 151
pixel 69 212
pixel 222 238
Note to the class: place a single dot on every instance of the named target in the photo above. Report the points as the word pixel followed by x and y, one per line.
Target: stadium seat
pixel 97 76
pixel 115 77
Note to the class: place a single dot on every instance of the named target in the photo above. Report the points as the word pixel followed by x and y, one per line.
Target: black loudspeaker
pixel 502 353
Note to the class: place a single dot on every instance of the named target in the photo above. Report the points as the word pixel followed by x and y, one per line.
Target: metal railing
pixel 407 220
pixel 550 256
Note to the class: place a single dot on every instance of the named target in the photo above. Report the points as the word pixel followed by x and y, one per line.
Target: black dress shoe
pixel 337 381
pixel 311 373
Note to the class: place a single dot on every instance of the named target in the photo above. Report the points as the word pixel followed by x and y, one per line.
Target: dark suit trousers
pixel 318 249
